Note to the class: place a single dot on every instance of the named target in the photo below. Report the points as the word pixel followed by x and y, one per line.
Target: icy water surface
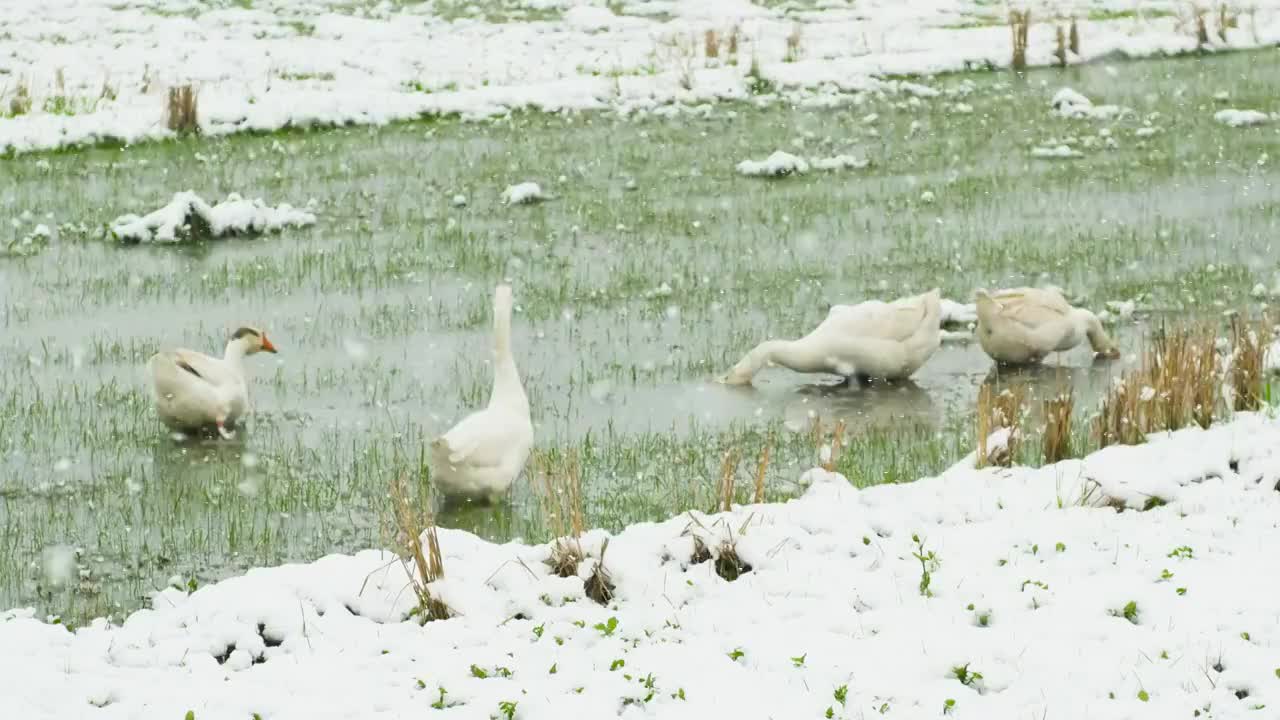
pixel 650 271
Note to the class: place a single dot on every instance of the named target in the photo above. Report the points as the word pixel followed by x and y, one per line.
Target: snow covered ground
pixel 78 71
pixel 982 594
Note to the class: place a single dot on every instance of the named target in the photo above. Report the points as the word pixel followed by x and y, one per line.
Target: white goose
pixel 1023 325
pixel 480 457
pixel 194 391
pixel 873 339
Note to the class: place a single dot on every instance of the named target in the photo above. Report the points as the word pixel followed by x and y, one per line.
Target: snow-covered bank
pixel 989 594
pixel 80 72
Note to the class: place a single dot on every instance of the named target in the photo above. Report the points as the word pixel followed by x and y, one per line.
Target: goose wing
pixel 1032 307
pixel 897 320
pixel 477 441
pixel 210 369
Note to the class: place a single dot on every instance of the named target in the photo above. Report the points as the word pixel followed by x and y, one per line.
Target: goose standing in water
pixel 1023 325
pixel 873 339
pixel 480 457
pixel 194 391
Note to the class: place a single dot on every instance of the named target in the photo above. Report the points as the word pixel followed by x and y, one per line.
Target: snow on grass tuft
pixel 188 217
pixel 1055 152
pixel 984 588
pixel 782 163
pixel 1068 103
pixel 525 193
pixel 776 165
pixel 1241 118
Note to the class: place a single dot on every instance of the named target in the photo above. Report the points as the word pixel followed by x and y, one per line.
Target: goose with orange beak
pixel 194 391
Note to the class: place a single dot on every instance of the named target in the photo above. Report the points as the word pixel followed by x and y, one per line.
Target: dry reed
pixel 423 564
pixel 20 103
pixel 1020 24
pixel 997 411
pixel 1176 385
pixel 761 468
pixel 728 472
pixel 1057 426
pixel 1248 374
pixel 711 44
pixel 732 49
pixel 1226 19
pixel 559 478
pixel 599 586
pixel 182 110
pixel 794 39
pixel 1073 38
pixel 1060 52
pixel 1202 28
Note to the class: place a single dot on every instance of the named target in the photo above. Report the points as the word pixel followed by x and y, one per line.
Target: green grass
pixel 381 310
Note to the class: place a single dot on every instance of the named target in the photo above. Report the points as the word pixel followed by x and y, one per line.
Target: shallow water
pixel 630 303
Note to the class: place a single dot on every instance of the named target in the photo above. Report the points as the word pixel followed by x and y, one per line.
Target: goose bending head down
pixel 194 391
pixel 873 339
pixel 480 457
pixel 1023 325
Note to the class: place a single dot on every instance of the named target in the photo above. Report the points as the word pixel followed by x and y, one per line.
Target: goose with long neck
pixel 870 340
pixel 1023 325
pixel 193 391
pixel 479 458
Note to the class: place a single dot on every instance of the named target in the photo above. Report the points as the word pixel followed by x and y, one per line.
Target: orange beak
pixel 266 345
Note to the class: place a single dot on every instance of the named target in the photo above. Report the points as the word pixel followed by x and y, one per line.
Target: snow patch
pixel 188 216
pixel 1241 118
pixel 782 163
pixel 525 193
pixel 1055 152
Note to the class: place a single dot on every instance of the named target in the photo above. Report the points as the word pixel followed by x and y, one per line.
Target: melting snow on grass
pixel 188 216
pixel 1070 104
pixel 525 193
pixel 782 163
pixel 1000 593
pixel 1241 118
pixel 1059 152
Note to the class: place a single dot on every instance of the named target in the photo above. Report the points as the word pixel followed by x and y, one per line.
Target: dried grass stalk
pixel 724 489
pixel 711 44
pixel 559 479
pixel 1248 375
pixel 1202 29
pixel 794 39
pixel 1019 23
pixel 761 468
pixel 1227 18
pixel 182 110
pixel 423 564
pixel 732 48
pixel 996 411
pixel 599 586
pixel 20 103
pixel 1073 40
pixel 1057 426
pixel 1060 52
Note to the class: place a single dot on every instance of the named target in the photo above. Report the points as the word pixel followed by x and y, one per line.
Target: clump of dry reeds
pixel 1060 52
pixel 182 110
pixel 794 39
pixel 1073 40
pixel 1248 374
pixel 725 486
pixel 995 411
pixel 20 103
pixel 423 563
pixel 1020 24
pixel 728 564
pixel 599 586
pixel 711 44
pixel 1177 384
pixel 732 46
pixel 559 478
pixel 1057 426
